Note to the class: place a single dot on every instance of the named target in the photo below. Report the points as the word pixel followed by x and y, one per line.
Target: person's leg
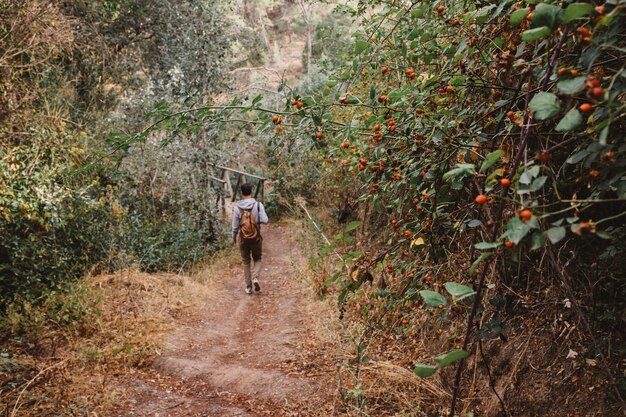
pixel 244 249
pixel 257 253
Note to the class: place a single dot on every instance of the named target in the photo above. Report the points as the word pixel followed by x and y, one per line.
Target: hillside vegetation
pixel 473 158
pixel 464 166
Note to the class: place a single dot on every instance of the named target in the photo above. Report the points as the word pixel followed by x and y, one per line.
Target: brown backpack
pixel 248 228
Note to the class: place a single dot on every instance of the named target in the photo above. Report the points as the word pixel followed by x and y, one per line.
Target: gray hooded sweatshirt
pixel 258 212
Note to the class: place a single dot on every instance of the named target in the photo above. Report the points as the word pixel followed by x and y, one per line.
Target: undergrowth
pixel 69 353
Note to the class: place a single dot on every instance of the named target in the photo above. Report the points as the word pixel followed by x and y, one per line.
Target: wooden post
pixel 237 187
pixel 228 188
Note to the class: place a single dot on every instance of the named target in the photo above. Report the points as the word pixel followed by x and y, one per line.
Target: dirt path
pixel 243 355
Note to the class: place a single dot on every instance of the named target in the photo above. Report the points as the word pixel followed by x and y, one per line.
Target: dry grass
pixel 56 366
pixel 383 384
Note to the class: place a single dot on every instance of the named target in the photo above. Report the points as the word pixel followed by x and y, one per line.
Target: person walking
pixel 248 215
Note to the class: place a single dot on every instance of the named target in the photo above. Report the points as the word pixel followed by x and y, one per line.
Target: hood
pixel 246 204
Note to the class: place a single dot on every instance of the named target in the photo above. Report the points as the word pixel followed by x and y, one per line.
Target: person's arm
pixel 236 223
pixel 262 215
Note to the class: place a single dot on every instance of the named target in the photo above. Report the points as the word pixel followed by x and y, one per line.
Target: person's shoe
pixel 257 287
pixel 248 290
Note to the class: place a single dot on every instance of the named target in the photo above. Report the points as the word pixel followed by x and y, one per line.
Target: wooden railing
pixel 228 191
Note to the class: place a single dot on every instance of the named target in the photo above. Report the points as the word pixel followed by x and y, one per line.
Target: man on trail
pixel 248 215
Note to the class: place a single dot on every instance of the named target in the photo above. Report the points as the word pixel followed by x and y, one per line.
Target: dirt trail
pixel 242 355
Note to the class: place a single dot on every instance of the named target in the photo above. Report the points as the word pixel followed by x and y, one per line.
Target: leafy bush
pixel 65 206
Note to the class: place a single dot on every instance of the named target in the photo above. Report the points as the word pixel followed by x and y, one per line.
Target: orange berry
pixel 299 104
pixel 525 215
pixel 428 278
pixel 543 156
pixel 592 82
pixel 319 135
pixel 505 182
pixel 480 199
pixel 440 306
pixel 583 31
pixel 585 107
pixel 574 72
pixel 441 9
pixel 439 331
pixel 561 71
pixel 508 244
pixel 597 92
pixel 384 70
pixel 601 9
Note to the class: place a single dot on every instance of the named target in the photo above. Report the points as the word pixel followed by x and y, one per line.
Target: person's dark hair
pixel 246 188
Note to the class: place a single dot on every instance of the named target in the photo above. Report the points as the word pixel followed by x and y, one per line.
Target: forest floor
pixel 240 355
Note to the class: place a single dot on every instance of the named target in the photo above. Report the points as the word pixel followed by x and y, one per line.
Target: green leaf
pixel 461 170
pixel 459 291
pixel 477 262
pixel 516 230
pixel 518 16
pixel 474 223
pixel 536 240
pixel 571 86
pixel 534 34
pixel 544 105
pixel 352 225
pixel 360 46
pixel 331 280
pixel 424 371
pixel 529 174
pixel 256 100
pixel 487 245
pixel 547 15
pixel 555 234
pixel 432 298
pixel 491 159
pixel 577 157
pixel 417 13
pixel 538 183
pixel 576 11
pixel 572 120
pixel 603 135
pixel 449 358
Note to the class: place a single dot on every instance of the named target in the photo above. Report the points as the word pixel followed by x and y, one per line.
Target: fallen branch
pixel 28 384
